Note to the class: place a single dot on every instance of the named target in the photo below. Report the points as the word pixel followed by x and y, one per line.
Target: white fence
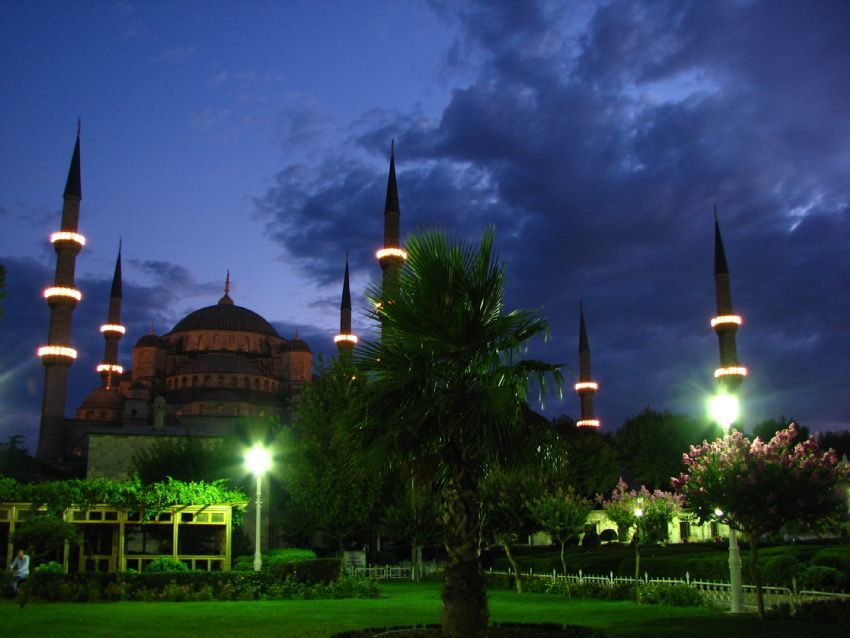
pixel 716 592
pixel 393 572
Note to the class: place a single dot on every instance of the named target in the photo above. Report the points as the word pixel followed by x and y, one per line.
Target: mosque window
pixel 216 342
pixel 220 408
pixel 246 382
pixel 178 413
pixel 262 413
pixel 207 380
pixel 247 344
pixel 220 381
pixel 231 342
pixel 195 380
pixel 256 384
pixel 202 342
pixel 266 385
pixel 233 383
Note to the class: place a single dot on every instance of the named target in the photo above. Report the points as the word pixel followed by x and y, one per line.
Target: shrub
pixel 780 570
pixel 288 555
pixel 673 595
pixel 591 539
pixel 51 567
pixel 167 565
pixel 317 570
pixel 837 557
pixel 608 536
pixel 820 577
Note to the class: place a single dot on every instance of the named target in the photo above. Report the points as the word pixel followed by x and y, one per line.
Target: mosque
pixel 219 367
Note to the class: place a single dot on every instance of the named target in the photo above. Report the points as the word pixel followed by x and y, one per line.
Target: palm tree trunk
pixel 754 572
pixel 517 576
pixel 563 560
pixel 464 611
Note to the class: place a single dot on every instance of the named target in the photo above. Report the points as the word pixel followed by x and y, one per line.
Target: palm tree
pixel 447 395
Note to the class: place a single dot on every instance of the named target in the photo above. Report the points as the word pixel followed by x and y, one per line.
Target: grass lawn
pixel 401 604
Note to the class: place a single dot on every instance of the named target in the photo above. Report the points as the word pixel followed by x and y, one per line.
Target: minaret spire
pixel 112 330
pixel 62 298
pixel 345 340
pixel 226 298
pixel 392 255
pixel 725 322
pixel 586 386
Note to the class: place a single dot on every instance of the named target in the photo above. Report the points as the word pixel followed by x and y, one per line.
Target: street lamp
pixel 258 460
pixel 726 409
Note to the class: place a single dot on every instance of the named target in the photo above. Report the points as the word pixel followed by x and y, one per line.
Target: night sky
pixel 596 137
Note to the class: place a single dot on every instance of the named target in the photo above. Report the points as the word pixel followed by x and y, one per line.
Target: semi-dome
pixel 104 398
pixel 225 316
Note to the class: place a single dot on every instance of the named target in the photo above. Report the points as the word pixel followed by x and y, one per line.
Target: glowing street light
pixel 258 461
pixel 726 410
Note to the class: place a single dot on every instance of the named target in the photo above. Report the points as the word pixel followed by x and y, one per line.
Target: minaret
pixel 62 298
pixel 726 322
pixel 345 340
pixel 112 330
pixel 586 386
pixel 392 255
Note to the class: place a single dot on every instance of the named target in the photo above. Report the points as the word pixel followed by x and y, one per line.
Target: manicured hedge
pixel 190 586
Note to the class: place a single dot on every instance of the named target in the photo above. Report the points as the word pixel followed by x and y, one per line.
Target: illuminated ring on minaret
pixel 586 385
pixel 110 367
pixel 113 327
pixel 57 351
pixel 588 423
pixel 61 291
pixel 64 235
pixel 726 319
pixel 391 252
pixel 731 371
pixel 345 338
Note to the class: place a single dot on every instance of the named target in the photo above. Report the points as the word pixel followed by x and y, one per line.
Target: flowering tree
pixel 649 513
pixel 757 487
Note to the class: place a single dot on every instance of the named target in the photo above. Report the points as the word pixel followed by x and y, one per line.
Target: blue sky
pixel 595 136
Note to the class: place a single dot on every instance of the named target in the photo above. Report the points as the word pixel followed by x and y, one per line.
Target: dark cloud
pixel 597 139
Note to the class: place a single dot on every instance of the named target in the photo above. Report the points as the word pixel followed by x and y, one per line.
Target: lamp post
pixel 258 461
pixel 726 409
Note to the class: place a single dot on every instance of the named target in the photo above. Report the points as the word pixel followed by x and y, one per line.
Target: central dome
pixel 225 316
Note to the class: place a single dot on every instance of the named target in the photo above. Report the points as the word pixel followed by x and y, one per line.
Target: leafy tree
pixel 562 514
pixel 760 487
pixel 324 493
pixel 447 395
pixel 44 535
pixel 592 466
pixel 649 513
pixel 651 444
pixel 413 518
pixel 506 500
pixel 189 459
